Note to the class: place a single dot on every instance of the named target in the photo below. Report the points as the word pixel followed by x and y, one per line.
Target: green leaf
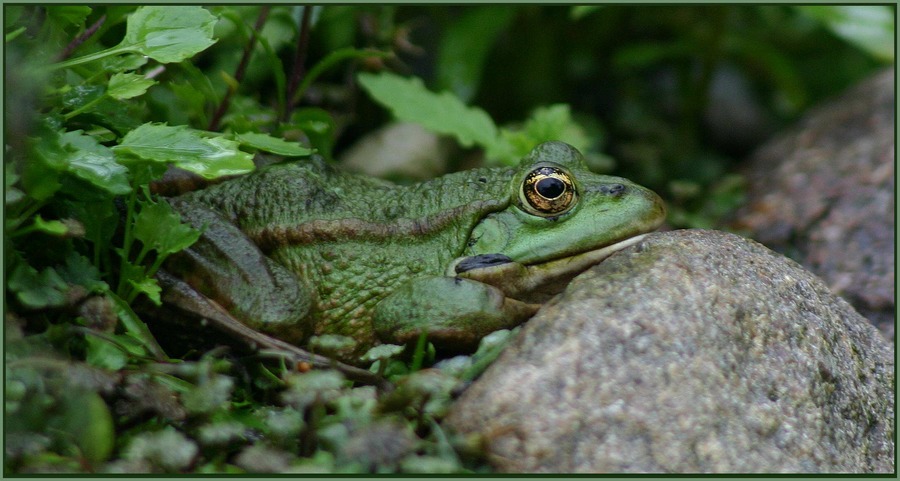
pixel 79 270
pixel 159 227
pixel 104 354
pixel 95 163
pixel 125 63
pixel 67 15
pixel 168 33
pixel 86 419
pixel 187 149
pixel 271 144
pixel 37 290
pixel 135 327
pixel 443 113
pixel 52 227
pixel 869 27
pixel 465 46
pixel 128 85
pixel 553 122
pixel 319 127
pixel 148 286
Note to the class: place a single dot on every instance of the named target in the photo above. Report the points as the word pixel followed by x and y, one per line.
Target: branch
pixel 241 69
pixel 81 38
pixel 299 60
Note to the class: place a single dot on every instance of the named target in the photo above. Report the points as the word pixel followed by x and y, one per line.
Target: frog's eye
pixel 547 191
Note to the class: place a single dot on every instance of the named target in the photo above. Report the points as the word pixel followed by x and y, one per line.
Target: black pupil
pixel 550 188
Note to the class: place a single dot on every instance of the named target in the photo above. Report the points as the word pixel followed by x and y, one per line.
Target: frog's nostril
pixel 612 189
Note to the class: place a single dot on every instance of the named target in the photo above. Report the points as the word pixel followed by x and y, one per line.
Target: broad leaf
pixel 95 163
pixel 272 144
pixel 186 149
pixel 168 33
pixel 443 113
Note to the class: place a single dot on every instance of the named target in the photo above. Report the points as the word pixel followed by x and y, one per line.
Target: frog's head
pixel 560 210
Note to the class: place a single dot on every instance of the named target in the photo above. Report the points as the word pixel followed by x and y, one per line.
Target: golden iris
pixel 547 191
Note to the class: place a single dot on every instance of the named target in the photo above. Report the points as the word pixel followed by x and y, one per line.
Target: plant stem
pixel 84 107
pixel 89 57
pixel 128 240
pixel 299 59
pixel 241 68
pixel 328 62
pixel 81 38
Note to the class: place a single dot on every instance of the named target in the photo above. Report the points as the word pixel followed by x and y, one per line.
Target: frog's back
pixel 291 194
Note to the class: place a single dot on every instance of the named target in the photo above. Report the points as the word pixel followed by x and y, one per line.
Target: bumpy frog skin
pixel 302 248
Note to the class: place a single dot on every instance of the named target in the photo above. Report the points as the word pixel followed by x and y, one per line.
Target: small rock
pixel 693 351
pixel 264 459
pixel 167 449
pixel 380 445
pixel 823 193
pixel 401 149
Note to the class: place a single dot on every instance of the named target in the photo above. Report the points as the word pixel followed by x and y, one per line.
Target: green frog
pixel 302 248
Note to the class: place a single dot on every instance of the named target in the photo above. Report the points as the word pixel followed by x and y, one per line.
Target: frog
pixel 303 248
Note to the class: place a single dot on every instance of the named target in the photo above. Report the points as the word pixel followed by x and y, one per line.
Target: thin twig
pixel 81 38
pixel 299 60
pixel 241 69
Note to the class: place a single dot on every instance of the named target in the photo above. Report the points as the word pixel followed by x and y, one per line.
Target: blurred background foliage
pixel 671 96
pixel 674 94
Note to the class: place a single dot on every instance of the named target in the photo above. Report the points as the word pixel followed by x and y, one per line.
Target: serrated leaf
pixel 187 149
pixel 169 33
pixel 95 163
pixel 443 113
pixel 272 144
pixel 148 286
pixel 158 226
pixel 128 85
pixel 553 122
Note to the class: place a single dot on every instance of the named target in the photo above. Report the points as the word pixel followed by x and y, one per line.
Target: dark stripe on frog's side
pixel 273 237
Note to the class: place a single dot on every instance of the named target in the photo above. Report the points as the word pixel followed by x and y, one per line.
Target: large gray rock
pixel 694 351
pixel 823 193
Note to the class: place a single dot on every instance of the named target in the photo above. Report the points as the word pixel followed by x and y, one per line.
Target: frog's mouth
pixel 533 282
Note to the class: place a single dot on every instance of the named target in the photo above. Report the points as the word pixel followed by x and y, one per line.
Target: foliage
pixel 106 99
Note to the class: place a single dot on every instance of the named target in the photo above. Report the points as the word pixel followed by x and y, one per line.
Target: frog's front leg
pixel 454 313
